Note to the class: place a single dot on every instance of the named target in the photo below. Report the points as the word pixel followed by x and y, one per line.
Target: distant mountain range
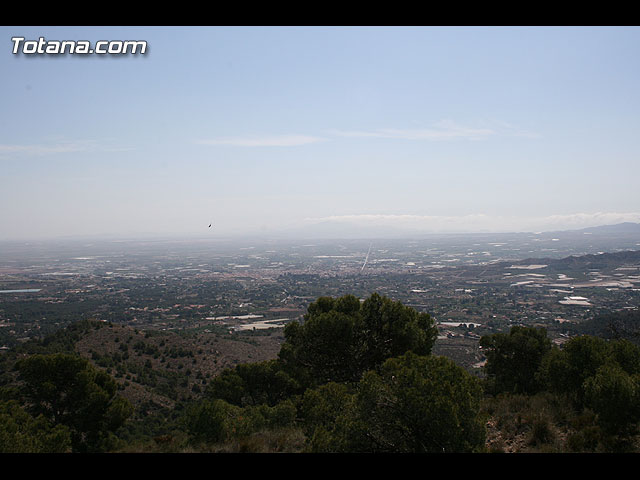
pixel 342 229
pixel 626 227
pixel 594 261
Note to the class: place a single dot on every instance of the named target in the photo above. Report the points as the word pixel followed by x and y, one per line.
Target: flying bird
pixel 210 225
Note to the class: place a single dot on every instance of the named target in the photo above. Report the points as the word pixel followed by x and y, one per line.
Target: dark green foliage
pixel 614 396
pixel 322 411
pixel 62 341
pixel 207 421
pixel 612 325
pixel 626 355
pixel 354 395
pixel 67 390
pixel 388 329
pixel 216 421
pixel 320 407
pixel 343 338
pixel 22 433
pixel 339 340
pixel 146 348
pixel 603 376
pixel 586 438
pixel 324 349
pixel 253 384
pixel 513 359
pixel 593 374
pixel 565 370
pixel 420 404
pixel 414 404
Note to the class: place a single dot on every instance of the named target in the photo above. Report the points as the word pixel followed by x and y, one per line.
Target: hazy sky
pixel 260 129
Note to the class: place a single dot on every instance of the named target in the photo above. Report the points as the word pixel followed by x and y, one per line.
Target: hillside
pixel 155 370
pixel 590 261
pixel 163 367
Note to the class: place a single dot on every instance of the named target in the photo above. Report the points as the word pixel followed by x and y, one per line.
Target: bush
pixel 414 404
pixel 513 359
pixel 69 391
pixel 208 421
pixel 21 433
pixel 343 338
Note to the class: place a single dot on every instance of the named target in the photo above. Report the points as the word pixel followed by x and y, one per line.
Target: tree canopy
pixel 22 433
pixel 514 358
pixel 413 404
pixel 69 391
pixel 342 338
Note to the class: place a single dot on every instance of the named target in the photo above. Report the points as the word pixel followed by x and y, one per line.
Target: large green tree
pixel 389 329
pixel 565 370
pixel 22 433
pixel 69 391
pixel 217 421
pixel 598 374
pixel 413 404
pixel 342 338
pixel 323 413
pixel 513 359
pixel 253 384
pixel 614 396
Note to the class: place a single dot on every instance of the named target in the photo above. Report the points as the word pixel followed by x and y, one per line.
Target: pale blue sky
pixel 260 129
